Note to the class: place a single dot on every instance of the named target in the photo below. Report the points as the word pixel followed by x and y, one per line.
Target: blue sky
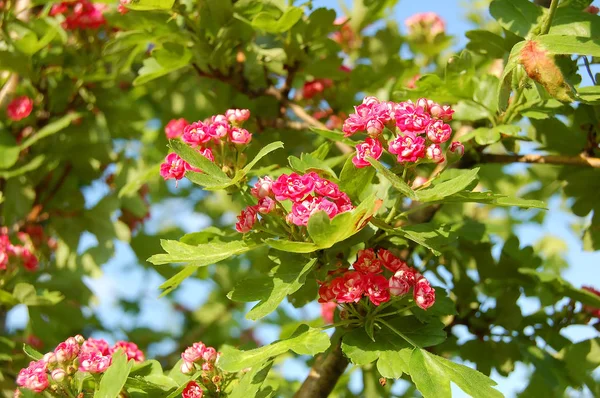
pixel 121 279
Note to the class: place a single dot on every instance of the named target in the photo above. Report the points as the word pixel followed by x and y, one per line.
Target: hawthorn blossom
pixel 174 129
pixel 67 350
pixel 402 281
pixel 265 205
pixel 240 136
pixel 367 262
pixel 194 352
pixel 411 118
pixel 370 147
pixel 595 312
pixel 196 134
pixel 237 116
pixel 192 390
pixel 173 167
pixel 438 132
pixel 371 116
pixel 423 293
pixel 377 288
pixel 301 211
pixel 429 24
pixel 94 361
pixel 130 349
pixel 314 87
pixel 293 187
pixel 121 8
pixel 435 153
pixel 349 288
pixel 19 108
pixel 262 188
pixel 246 220
pixel 408 148
pixel 457 148
pixel 34 377
pixel 326 188
pixel 80 14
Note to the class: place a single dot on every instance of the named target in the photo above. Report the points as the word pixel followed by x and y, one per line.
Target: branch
pixel 548 159
pixel 325 372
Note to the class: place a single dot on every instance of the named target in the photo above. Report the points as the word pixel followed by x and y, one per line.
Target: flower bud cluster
pixel 366 280
pixel 19 108
pixel 419 130
pixel 425 27
pixel 199 357
pixel 80 14
pixel 215 134
pixel 11 254
pixel 308 193
pixel 72 355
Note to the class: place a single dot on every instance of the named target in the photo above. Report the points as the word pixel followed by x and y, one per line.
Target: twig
pixel 551 12
pixel 541 159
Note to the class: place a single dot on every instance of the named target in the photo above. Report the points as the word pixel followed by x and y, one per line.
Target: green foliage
pixel 115 377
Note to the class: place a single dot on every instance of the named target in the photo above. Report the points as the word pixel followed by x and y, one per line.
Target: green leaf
pixel 562 288
pixel 432 236
pixel 355 181
pixel 304 341
pixel 556 44
pixel 573 22
pixel 163 61
pixel 251 382
pixel 517 16
pixel 140 178
pixel 336 136
pixel 114 378
pixel 505 86
pixel 200 255
pixel 267 22
pixel 494 199
pixel 486 43
pixel 307 163
pixel 292 247
pixel 33 164
pixel 49 129
pixel 390 350
pixel 9 149
pixel 145 5
pixel 271 290
pixel 432 376
pixel 195 159
pixel 32 352
pixel 396 181
pixel 26 294
pixel 448 187
pixel 262 153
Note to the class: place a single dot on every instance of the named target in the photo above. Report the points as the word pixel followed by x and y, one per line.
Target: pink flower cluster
pixel 420 128
pixel 22 254
pixel 318 86
pixel 200 355
pixel 595 312
pixel 19 108
pixel 308 193
pixel 365 280
pixel 80 14
pixel 75 353
pixel 192 390
pixel 345 36
pixel 204 136
pixel 427 24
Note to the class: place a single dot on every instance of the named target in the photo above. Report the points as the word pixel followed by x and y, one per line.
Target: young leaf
pixel 432 376
pixel 517 16
pixel 114 378
pixel 354 181
pixel 494 199
pixel 271 290
pixel 49 129
pixel 262 153
pixel 145 5
pixel 304 341
pixel 251 382
pixel 32 352
pixel 195 159
pixel 396 181
pixel 200 255
pixel 443 189
pixel 292 247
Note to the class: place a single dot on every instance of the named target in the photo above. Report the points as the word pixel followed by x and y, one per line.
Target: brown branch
pixel 325 372
pixel 542 159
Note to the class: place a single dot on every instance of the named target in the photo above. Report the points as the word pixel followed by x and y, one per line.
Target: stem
pixel 325 372
pixel 393 210
pixel 548 22
pixel 399 333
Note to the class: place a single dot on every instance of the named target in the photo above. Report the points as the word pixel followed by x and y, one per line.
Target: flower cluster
pixel 80 14
pixel 419 129
pixel 366 280
pixel 72 355
pixel 318 86
pixel 205 136
pixel 20 254
pixel 19 108
pixel 308 193
pixel 345 36
pixel 425 26
pixel 595 312
pixel 200 357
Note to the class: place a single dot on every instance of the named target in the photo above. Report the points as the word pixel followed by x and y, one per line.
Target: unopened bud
pixel 49 358
pixel 58 375
pixel 216 379
pixel 187 367
pixel 79 338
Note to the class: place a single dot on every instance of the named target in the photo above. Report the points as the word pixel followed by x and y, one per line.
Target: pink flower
pixel 34 377
pixel 293 187
pixel 94 361
pixel 371 147
pixel 237 116
pixel 317 86
pixel 173 167
pixel 595 312
pixel 326 293
pixel 67 350
pixel 210 354
pixel 174 129
pixel 408 148
pixel 19 108
pixel 121 8
pixel 246 220
pixel 326 188
pixel 80 14
pixel 457 148
pixel 194 353
pixel 367 262
pixel 402 281
pixel 377 288
pixel 239 136
pixel 435 153
pixel 130 349
pixel 428 22
pixel 262 188
pixel 423 293
pixel 370 116
pixel 390 261
pixel 438 132
pixel 265 205
pixel 219 127
pixel 443 112
pixel 28 259
pixel 328 311
pixel 301 211
pixel 349 288
pixel 95 345
pixel 411 118
pixel 192 390
pixel 343 203
pixel 196 134
pixel 328 207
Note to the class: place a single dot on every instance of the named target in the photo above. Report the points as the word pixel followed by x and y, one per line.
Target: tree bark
pixel 326 371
